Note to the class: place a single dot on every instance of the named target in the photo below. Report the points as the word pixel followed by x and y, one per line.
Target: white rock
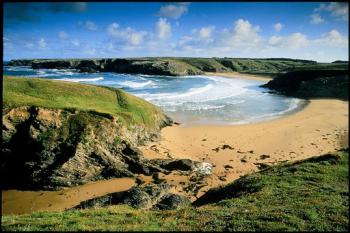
pixel 204 168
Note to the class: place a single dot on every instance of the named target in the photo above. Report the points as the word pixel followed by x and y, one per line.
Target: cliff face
pixel 171 66
pixel 45 146
pixel 313 82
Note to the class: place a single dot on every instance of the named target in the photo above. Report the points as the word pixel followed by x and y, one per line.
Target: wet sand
pixel 316 129
pixel 22 202
pixel 242 75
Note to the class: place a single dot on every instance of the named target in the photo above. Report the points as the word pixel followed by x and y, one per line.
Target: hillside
pixel 314 81
pixel 71 134
pixel 309 195
pixel 168 65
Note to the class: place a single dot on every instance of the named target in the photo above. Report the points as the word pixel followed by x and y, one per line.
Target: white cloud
pixel 90 25
pixel 63 35
pixel 293 41
pixel 163 29
pixel 333 39
pixel 316 19
pixel 42 43
pixel 206 32
pixel 76 43
pixel 275 40
pixel 339 10
pixel 278 27
pixel 244 34
pixel 296 40
pixel 173 11
pixel 128 35
pixel 29 45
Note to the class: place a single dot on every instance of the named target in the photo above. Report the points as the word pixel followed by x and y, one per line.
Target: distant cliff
pixel 167 66
pixel 314 81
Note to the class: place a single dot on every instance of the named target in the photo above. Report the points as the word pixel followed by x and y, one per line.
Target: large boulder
pixel 172 201
pixel 145 196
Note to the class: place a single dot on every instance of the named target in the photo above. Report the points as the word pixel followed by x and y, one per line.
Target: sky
pixel 302 30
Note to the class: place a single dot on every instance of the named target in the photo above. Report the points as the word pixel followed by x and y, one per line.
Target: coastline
pixel 316 129
pixel 241 75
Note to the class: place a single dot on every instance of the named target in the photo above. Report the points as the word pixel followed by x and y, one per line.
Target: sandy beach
pixel 241 75
pixel 320 127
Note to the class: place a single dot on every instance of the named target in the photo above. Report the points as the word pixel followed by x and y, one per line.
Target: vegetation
pixel 171 65
pixel 67 95
pixel 324 80
pixel 309 195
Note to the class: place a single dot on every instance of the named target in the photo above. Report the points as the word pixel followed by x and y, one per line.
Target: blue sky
pixel 306 30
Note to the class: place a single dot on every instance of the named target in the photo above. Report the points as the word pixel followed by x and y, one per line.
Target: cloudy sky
pixel 306 30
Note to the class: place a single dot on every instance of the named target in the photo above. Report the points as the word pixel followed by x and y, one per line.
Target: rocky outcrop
pixel 171 66
pixel 52 148
pixel 150 196
pixel 314 82
pixel 20 62
pixel 155 66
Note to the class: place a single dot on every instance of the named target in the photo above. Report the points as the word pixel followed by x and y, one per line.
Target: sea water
pixel 190 100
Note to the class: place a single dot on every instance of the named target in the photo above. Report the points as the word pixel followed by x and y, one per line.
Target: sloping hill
pixel 309 195
pixel 58 134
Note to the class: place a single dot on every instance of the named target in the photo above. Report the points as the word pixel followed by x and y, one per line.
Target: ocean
pixel 190 100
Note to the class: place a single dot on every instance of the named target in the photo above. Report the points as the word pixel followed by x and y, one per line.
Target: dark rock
pixel 327 81
pixel 106 200
pixel 145 196
pixel 227 147
pixel 181 164
pixel 87 70
pixel 262 166
pixel 138 198
pixel 264 156
pixel 61 148
pixel 171 202
pixel 216 149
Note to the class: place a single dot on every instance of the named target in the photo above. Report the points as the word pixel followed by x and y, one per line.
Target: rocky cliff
pixel 45 146
pixel 327 81
pixel 171 66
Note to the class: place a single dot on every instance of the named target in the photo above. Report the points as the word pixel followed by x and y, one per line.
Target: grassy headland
pixel 66 95
pixel 309 195
pixel 59 134
pixel 327 80
pixel 170 65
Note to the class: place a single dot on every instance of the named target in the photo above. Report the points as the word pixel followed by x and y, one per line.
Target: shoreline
pixel 241 75
pixel 316 129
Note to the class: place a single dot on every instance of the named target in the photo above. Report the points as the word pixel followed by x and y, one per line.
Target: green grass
pixel 310 195
pixel 67 95
pixel 185 65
